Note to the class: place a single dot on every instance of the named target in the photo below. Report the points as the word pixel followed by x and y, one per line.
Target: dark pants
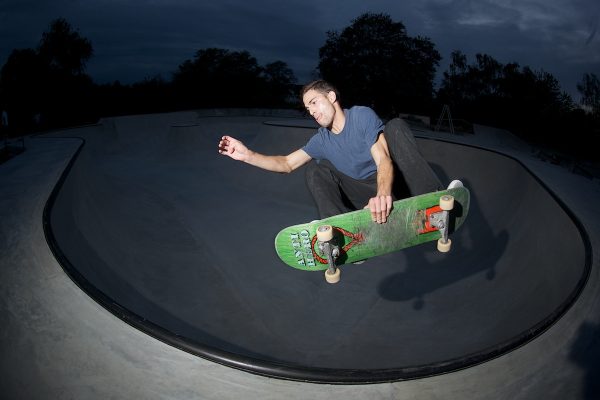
pixel 335 193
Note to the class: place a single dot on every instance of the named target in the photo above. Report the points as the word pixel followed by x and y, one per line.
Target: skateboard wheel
pixel 324 233
pixel 447 202
pixel 332 278
pixel 444 247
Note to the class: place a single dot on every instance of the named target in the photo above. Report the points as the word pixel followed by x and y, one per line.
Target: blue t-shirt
pixel 350 150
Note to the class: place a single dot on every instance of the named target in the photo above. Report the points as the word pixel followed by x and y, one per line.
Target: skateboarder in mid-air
pixel 360 163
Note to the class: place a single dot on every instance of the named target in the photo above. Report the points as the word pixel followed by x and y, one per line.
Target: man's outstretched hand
pixel 233 148
pixel 380 207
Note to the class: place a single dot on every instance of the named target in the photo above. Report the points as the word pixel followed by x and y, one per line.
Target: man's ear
pixel 332 96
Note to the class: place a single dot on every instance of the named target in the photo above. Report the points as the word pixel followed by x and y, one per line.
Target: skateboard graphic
pixel 351 237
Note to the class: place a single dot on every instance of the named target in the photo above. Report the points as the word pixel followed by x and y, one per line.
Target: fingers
pixel 375 206
pixel 226 145
pixel 380 207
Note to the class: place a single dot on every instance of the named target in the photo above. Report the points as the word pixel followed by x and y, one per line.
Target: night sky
pixel 137 39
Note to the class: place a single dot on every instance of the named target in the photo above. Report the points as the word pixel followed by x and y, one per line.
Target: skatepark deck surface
pixel 176 240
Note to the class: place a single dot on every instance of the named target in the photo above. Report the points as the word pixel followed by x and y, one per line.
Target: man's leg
pixel 412 168
pixel 336 193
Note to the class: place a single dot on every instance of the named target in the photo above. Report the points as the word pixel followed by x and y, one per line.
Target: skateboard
pixel 353 237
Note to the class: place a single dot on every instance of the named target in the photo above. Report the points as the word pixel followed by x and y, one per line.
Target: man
pixel 354 153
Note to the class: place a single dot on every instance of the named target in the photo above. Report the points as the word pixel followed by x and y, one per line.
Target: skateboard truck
pixel 328 247
pixel 441 222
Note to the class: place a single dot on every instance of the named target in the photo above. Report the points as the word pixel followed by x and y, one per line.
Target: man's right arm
pixel 235 149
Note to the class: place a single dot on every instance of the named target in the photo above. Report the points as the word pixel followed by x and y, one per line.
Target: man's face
pixel 320 106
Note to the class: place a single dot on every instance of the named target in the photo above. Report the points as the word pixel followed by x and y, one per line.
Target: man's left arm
pixel 381 204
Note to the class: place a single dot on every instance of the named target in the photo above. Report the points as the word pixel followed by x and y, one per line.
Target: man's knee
pixel 318 175
pixel 313 173
pixel 397 130
pixel 397 124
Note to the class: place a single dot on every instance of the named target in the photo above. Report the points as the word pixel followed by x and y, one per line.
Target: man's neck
pixel 339 121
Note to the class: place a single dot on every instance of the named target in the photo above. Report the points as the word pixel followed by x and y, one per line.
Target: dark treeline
pixel 527 102
pixel 373 61
pixel 47 87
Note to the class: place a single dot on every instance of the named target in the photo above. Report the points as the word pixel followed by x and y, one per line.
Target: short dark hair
pixel 321 86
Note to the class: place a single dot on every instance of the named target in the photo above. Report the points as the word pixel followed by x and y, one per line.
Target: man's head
pixel 322 101
pixel 321 86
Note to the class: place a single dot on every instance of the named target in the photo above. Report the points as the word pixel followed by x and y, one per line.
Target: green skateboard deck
pixel 359 238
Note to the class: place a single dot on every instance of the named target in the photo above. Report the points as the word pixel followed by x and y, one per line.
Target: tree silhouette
pixel 374 62
pixel 507 96
pixel 224 78
pixel 47 87
pixel 279 80
pixel 21 80
pixel 589 88
pixel 64 50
